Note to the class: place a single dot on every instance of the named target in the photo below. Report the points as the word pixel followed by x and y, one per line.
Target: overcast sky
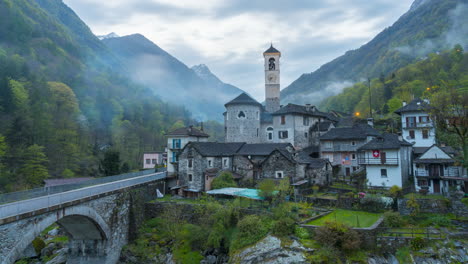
pixel 230 36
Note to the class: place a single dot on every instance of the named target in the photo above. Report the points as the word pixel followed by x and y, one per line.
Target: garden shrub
pixel 38 245
pixel 301 232
pixel 224 180
pixel 251 229
pixel 395 191
pixel 393 219
pixel 439 220
pixel 338 235
pixel 326 254
pixel 375 203
pixel 284 227
pixel 417 243
pixel 413 204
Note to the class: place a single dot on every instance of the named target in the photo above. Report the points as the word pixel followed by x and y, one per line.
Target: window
pixel 306 135
pixel 425 134
pixel 383 173
pixel 270 133
pixel 241 115
pixel 422 183
pixel 411 121
pixel 190 163
pixel 328 144
pixel 283 134
pixel 283 119
pixel 411 134
pixel 279 174
pixel 353 156
pixel 305 121
pixel 153 161
pixel 257 132
pixel 225 162
pixel 147 161
pixel 176 143
pixel 353 143
pixel 424 119
pixel 210 162
pixel 190 177
pixel 174 157
pixel 271 64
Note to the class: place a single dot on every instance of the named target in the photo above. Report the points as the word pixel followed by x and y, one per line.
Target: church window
pixel 270 133
pixel 241 115
pixel 271 64
pixel 283 119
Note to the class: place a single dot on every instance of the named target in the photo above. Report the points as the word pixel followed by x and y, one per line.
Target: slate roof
pixel 359 131
pixel 271 49
pixel 301 109
pixel 216 149
pixel 303 157
pixel 262 149
pixel 417 105
pixel 421 150
pixel 321 126
pixel 385 141
pixel 243 98
pixel 437 161
pixel 188 131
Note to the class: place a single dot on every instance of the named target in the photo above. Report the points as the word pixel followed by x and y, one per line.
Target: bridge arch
pixel 79 222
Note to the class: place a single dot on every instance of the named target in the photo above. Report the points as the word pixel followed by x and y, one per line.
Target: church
pixel 247 120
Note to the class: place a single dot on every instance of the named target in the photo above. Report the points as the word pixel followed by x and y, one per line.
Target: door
pixel 436 186
pixel 348 172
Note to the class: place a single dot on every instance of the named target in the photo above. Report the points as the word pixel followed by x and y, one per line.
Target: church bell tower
pixel 272 79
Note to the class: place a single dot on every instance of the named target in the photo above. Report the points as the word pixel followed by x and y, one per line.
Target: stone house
pixel 340 145
pixel 201 162
pixel 387 161
pixel 176 141
pixel 319 129
pixel 435 171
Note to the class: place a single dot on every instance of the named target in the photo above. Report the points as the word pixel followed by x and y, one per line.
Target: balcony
pixel 340 148
pixel 418 125
pixel 437 174
pixel 377 161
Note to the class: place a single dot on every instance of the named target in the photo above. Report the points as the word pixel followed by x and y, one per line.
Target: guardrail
pixel 43 191
pixel 32 205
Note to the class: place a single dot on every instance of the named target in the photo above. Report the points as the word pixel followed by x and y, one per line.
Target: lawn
pixel 351 218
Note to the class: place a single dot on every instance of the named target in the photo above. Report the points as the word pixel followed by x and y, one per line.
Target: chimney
pixel 400 138
pixel 370 122
pixel 308 106
pixel 404 103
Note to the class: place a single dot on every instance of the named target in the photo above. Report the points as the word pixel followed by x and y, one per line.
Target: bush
pixel 225 180
pixel 375 203
pixel 439 220
pixel 38 245
pixel 337 235
pixel 413 204
pixel 267 189
pixel 301 232
pixel 393 219
pixel 251 229
pixel 417 243
pixel 395 192
pixel 284 227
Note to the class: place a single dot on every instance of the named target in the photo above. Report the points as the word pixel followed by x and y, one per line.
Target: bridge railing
pixel 48 201
pixel 43 191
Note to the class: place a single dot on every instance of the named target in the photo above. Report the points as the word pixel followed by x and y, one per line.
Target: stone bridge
pixel 98 219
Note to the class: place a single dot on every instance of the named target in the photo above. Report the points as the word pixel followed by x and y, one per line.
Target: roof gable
pixel 243 98
pixel 417 105
pixel 435 152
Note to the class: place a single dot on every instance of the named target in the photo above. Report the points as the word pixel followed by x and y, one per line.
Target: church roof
pixel 243 98
pixel 271 49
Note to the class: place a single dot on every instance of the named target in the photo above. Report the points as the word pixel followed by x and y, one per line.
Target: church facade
pixel 247 120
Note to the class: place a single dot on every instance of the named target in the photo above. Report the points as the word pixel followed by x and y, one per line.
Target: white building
pixel 435 171
pixel 387 160
pixel 176 141
pixel 416 126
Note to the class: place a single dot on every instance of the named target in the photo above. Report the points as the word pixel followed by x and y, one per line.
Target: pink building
pixel 152 159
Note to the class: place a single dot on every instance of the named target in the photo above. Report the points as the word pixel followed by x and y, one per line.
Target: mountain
pixel 197 88
pixel 66 98
pixel 429 26
pixel 110 35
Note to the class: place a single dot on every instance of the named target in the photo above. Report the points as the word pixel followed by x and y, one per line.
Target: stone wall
pixel 442 206
pixel 277 162
pixel 243 129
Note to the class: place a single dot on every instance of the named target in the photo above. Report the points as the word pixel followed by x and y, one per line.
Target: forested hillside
pixel 62 104
pixel 429 26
